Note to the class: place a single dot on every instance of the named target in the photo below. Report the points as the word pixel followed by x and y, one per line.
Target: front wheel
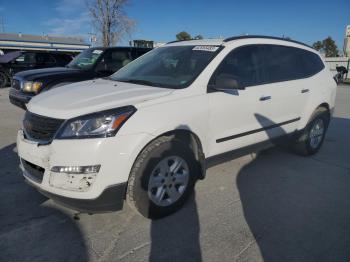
pixel 162 178
pixel 311 140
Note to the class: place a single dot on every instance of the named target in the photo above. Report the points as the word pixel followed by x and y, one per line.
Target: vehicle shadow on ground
pixel 297 207
pixel 176 237
pixel 29 230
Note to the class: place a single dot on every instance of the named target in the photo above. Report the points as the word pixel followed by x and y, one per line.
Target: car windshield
pixel 169 67
pixel 86 59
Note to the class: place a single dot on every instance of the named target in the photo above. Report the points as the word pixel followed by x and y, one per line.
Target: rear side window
pixel 284 63
pixel 46 59
pixel 63 58
pixel 245 64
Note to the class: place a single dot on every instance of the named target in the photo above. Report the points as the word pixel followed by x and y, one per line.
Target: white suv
pixel 144 134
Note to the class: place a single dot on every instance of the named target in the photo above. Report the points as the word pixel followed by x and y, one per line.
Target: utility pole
pixel 93 39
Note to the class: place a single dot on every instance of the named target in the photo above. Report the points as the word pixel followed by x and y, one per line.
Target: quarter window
pixel 312 63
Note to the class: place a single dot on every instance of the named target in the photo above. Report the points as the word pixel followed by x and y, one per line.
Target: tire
pixel 304 144
pixel 158 156
pixel 4 80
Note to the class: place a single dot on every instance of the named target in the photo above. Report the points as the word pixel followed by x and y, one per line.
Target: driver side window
pixel 113 60
pixel 244 64
pixel 26 58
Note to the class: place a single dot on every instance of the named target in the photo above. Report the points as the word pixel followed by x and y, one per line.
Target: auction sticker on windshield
pixel 208 48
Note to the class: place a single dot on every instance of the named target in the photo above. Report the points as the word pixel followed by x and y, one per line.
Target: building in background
pixel 347 42
pixel 12 42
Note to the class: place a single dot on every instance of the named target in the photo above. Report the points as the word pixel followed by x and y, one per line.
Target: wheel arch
pixel 189 138
pixel 195 144
pixel 307 117
pixel 324 106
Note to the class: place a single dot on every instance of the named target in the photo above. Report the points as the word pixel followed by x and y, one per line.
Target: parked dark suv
pixel 89 64
pixel 17 61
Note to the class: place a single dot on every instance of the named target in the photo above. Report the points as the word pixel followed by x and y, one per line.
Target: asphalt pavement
pixel 269 206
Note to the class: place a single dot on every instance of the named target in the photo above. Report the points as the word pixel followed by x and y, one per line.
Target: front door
pixel 237 118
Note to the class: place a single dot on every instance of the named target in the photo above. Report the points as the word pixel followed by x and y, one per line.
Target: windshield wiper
pixel 138 81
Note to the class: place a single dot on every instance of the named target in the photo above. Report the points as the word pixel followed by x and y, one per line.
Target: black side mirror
pixel 226 82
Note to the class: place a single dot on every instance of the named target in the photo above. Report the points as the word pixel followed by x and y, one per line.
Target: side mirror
pixel 226 82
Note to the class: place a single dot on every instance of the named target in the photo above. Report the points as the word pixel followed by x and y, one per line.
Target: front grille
pixel 33 171
pixel 16 84
pixel 40 128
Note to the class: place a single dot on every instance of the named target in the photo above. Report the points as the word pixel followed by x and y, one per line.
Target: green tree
pixel 198 37
pixel 183 36
pixel 327 46
pixel 317 45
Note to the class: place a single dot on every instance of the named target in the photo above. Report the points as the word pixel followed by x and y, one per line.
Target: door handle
pixel 264 98
pixel 305 91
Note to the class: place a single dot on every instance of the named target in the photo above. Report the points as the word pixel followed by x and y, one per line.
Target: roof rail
pixel 175 41
pixel 265 37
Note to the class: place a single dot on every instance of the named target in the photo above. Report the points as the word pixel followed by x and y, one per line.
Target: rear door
pixel 287 88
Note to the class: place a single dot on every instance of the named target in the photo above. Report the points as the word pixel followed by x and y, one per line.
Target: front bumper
pixel 19 98
pixel 115 155
pixel 111 199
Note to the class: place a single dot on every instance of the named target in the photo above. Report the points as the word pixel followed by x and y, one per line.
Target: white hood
pixel 91 96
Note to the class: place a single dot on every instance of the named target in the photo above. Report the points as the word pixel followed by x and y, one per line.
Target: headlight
pixel 32 87
pixel 102 124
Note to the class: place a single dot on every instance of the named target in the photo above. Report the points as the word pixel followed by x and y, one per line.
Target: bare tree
pixel 110 20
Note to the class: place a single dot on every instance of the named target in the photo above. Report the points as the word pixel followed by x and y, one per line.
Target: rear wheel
pixel 311 140
pixel 162 178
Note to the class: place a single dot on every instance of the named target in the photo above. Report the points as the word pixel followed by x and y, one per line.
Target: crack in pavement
pixel 106 253
pixel 132 251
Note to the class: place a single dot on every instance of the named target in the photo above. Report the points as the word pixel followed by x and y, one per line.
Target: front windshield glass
pixel 169 67
pixel 86 59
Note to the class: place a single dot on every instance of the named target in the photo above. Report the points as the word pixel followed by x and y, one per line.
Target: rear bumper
pixel 18 98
